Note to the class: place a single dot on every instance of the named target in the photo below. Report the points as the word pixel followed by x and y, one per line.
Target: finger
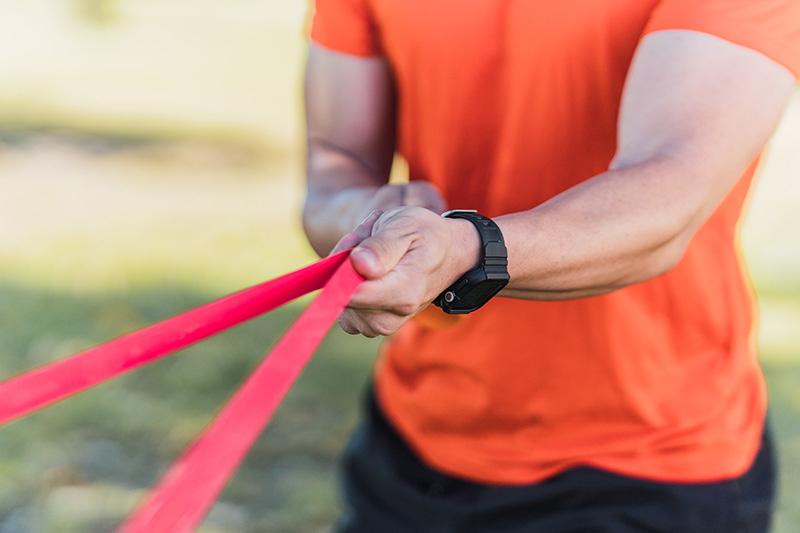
pixel 377 255
pixel 346 242
pixel 361 232
pixel 353 324
pixel 388 197
pixel 366 262
pixel 370 323
pixel 347 324
pixel 364 229
pixel 425 194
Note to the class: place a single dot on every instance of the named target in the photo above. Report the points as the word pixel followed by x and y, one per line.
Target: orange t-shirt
pixel 503 104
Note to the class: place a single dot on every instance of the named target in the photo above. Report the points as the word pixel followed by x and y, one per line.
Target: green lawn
pixel 149 163
pixel 119 241
pixel 80 465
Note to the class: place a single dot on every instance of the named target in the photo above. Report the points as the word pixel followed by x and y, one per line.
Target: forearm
pixel 622 227
pixel 350 139
pixel 695 113
pixel 339 189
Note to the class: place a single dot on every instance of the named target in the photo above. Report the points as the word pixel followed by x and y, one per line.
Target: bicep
pixel 696 110
pixel 349 104
pixel 705 103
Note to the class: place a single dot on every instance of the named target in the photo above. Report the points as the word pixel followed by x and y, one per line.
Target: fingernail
pixel 373 213
pixel 368 258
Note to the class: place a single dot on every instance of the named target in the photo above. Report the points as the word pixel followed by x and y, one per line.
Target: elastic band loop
pixel 188 490
pixel 48 384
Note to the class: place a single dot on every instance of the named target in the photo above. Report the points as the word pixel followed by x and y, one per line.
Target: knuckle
pixel 346 325
pixel 383 328
pixel 407 308
pixel 427 190
pixel 408 304
pixel 354 323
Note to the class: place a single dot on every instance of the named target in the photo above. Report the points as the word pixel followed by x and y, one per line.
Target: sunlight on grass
pixel 98 224
pixel 217 207
pixel 179 63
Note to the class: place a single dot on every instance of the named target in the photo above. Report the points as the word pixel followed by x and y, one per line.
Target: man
pixel 613 385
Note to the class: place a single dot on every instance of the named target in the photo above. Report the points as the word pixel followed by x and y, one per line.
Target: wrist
pixel 467 247
pixel 477 285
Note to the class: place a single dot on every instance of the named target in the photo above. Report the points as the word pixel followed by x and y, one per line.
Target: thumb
pixel 361 232
pixel 377 255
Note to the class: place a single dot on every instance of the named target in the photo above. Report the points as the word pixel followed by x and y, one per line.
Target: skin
pixel 695 112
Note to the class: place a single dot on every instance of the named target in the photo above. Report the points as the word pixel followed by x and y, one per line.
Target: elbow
pixel 666 256
pixel 655 256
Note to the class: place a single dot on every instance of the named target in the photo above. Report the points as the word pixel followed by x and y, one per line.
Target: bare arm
pixel 350 139
pixel 695 112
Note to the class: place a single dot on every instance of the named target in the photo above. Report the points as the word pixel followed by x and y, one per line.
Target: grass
pixel 149 163
pixel 105 446
pixel 120 241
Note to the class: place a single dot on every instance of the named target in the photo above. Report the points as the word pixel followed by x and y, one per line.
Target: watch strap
pixel 480 284
pixel 494 248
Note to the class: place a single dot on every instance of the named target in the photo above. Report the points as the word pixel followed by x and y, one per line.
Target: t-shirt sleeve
pixel 771 27
pixel 345 26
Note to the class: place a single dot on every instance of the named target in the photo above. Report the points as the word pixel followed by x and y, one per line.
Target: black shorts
pixel 388 489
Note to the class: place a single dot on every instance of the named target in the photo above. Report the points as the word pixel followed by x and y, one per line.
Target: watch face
pixel 472 291
pixel 479 294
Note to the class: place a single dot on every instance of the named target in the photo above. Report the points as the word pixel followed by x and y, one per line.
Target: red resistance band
pixel 190 487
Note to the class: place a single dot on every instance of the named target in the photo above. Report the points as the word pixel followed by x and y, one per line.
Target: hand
pixel 408 256
pixel 328 215
pixel 414 194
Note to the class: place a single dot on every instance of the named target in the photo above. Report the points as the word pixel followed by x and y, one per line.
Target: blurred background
pixel 151 161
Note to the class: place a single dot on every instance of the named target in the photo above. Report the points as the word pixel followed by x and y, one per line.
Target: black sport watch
pixel 479 285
